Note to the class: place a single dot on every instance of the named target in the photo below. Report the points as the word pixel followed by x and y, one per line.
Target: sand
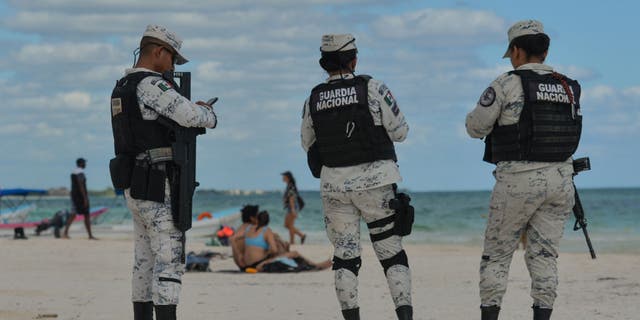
pixel 46 278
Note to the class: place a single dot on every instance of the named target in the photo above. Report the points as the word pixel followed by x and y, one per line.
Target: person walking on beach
pixel 292 204
pixel 79 199
pixel 137 102
pixel 352 122
pixel 531 121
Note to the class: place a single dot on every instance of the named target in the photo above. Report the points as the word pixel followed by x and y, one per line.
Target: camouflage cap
pixel 523 28
pixel 337 42
pixel 163 34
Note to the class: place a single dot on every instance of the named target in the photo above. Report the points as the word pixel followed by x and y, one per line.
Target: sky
pixel 61 58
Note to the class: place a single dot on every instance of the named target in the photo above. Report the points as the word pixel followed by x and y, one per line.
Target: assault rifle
pixel 579 165
pixel 183 172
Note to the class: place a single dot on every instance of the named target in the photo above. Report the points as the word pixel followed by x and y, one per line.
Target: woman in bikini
pixel 260 247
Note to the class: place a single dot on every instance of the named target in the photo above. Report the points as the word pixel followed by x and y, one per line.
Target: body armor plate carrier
pixel 550 122
pixel 345 132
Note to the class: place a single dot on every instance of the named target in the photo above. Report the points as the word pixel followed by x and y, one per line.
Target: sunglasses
pixel 174 57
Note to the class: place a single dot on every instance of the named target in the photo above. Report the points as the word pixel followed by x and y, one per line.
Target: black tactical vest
pixel 550 122
pixel 344 128
pixel 131 133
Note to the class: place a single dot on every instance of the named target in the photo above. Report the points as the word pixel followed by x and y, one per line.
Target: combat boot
pixel 490 312
pixel 351 314
pixel 541 313
pixel 143 310
pixel 404 312
pixel 166 312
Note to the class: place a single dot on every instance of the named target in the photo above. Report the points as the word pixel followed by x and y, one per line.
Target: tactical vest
pixel 133 136
pixel 131 133
pixel 345 132
pixel 550 123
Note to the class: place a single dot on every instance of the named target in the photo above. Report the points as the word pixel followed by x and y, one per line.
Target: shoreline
pixel 81 279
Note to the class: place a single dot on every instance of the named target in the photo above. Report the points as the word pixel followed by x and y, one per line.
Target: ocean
pixel 613 216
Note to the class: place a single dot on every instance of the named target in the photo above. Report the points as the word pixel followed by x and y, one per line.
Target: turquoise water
pixel 613 216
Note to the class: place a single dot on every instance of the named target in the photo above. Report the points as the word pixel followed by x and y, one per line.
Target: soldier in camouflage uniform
pixel 159 255
pixel 357 177
pixel 531 120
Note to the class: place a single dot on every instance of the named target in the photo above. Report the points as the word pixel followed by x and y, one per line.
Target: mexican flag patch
pixel 164 86
pixel 388 98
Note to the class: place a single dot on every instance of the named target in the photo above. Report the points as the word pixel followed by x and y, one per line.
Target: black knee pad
pixel 352 265
pixel 400 258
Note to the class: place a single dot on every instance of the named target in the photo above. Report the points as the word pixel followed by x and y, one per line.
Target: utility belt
pixel 145 174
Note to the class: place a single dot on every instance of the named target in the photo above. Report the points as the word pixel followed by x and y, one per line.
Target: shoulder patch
pixel 388 98
pixel 488 97
pixel 163 85
pixel 382 89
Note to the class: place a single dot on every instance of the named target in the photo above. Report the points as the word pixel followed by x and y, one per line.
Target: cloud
pixel 577 72
pixel 441 27
pixel 67 52
pixel 13 128
pixel 612 111
pixel 44 129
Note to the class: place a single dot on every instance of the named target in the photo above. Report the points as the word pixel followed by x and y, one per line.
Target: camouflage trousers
pixel 536 203
pixel 158 265
pixel 342 213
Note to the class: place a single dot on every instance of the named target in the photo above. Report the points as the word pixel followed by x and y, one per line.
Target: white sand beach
pixel 46 278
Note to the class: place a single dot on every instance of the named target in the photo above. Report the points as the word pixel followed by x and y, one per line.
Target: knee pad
pixel 399 259
pixel 352 265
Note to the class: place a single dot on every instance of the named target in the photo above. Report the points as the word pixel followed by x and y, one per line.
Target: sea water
pixel 613 216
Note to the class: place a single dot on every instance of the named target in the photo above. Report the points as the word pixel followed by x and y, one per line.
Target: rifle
pixel 183 172
pixel 579 165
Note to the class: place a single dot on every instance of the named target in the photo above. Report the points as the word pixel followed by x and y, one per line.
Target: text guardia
pixel 336 98
pixel 552 93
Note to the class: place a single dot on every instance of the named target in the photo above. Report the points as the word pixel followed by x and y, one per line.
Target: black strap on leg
pixel 379 224
pixel 382 222
pixel 352 265
pixel 382 235
pixel 400 258
pixel 170 280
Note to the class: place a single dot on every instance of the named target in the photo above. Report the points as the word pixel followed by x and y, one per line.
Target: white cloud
pixel 441 26
pixel 632 92
pixel 13 128
pixel 577 72
pixel 67 52
pixel 616 109
pixel 487 74
pixel 168 5
pixel 598 93
pixel 215 71
pixel 44 129
pixel 75 100
pixel 243 43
